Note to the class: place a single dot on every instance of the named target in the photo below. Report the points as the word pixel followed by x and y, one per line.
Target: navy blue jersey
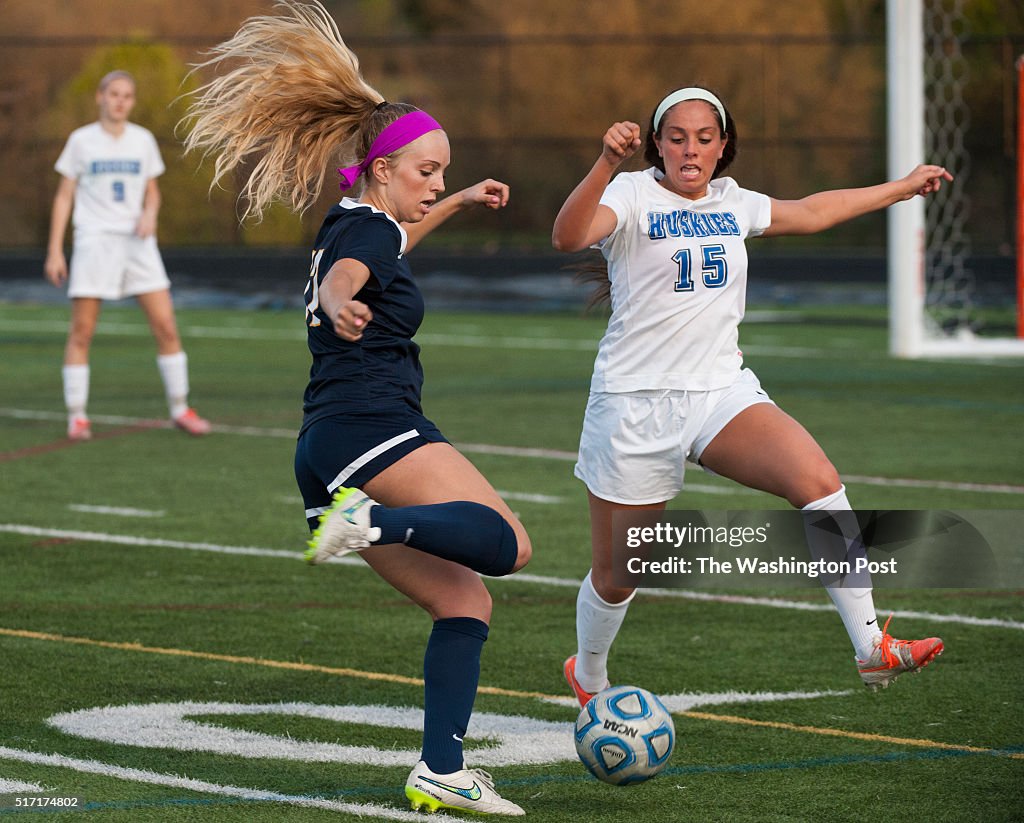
pixel 383 368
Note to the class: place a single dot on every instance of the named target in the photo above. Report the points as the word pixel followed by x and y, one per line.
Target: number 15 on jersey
pixel 714 268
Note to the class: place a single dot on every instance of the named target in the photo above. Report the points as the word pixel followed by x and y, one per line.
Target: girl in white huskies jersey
pixel 669 383
pixel 109 172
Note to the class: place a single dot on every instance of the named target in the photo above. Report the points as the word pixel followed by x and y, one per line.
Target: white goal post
pixel 913 332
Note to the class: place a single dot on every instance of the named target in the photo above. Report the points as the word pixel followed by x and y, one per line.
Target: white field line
pixel 116 511
pixel 158 543
pixel 178 782
pixel 521 577
pixel 21 787
pixel 122 420
pixel 463 340
pixel 510 451
pixel 521 497
pixel 470 340
pixel 530 497
pixel 116 329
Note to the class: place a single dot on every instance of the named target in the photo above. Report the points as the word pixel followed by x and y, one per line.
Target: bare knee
pixel 167 339
pixel 819 482
pixel 469 599
pixel 524 548
pixel 77 349
pixel 159 312
pixel 79 341
pixel 604 585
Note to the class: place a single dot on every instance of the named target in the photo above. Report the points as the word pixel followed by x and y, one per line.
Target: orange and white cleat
pixel 569 669
pixel 189 421
pixel 79 428
pixel 891 658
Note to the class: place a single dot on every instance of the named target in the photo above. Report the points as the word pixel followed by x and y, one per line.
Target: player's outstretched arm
pixel 491 194
pixel 582 220
pixel 825 209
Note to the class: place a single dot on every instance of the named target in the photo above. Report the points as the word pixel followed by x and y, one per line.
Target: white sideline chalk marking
pixel 510 451
pixel 119 511
pixel 521 577
pixel 527 497
pixel 773 602
pixel 948 485
pixel 505 740
pixel 482 341
pixel 514 451
pixel 156 542
pixel 687 701
pixel 141 330
pixel 462 340
pixel 21 787
pixel 157 779
pixel 149 422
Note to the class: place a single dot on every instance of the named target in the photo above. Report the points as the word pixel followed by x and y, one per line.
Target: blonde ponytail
pixel 292 104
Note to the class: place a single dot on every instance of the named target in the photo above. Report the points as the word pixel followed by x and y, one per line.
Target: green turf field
pixel 166 656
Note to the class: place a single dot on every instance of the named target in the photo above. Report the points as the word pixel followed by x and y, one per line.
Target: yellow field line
pixel 875 738
pixel 254 661
pixel 493 690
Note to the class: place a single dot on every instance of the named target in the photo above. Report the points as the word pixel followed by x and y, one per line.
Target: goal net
pixel 932 308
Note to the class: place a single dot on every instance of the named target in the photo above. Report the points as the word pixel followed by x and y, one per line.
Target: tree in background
pixel 186 216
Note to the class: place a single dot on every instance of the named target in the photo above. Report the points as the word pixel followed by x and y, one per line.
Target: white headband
pixel 688 94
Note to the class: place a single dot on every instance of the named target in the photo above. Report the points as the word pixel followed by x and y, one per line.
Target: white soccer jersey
pixel 678 271
pixel 112 173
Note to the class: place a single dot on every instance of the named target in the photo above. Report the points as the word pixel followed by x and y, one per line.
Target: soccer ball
pixel 625 735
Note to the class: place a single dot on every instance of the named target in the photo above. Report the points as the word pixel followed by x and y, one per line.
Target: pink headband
pixel 402 132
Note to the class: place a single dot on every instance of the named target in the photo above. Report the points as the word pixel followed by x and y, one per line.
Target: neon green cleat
pixel 468 790
pixel 344 527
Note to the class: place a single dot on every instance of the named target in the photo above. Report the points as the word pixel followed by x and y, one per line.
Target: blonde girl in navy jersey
pixel 669 383
pixel 376 475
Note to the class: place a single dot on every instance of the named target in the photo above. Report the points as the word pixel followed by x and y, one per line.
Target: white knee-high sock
pixel 597 624
pixel 76 389
pixel 856 606
pixel 174 372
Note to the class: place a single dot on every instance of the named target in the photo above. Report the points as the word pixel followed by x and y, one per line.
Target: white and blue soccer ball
pixel 625 735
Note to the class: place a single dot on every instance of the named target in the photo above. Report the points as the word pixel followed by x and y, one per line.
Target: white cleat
pixel 468 790
pixel 344 527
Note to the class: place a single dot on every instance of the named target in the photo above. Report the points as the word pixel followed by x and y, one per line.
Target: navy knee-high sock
pixel 467 533
pixel 451 673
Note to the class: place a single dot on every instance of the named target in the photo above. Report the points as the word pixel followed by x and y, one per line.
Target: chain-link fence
pixel 531 110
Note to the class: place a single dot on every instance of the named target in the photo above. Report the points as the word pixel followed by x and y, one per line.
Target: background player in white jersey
pixel 109 173
pixel 668 383
pixel 434 523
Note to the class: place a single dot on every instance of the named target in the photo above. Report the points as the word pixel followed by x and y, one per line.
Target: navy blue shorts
pixel 351 449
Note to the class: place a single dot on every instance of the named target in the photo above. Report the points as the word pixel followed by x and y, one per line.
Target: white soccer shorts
pixel 634 445
pixel 112 266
